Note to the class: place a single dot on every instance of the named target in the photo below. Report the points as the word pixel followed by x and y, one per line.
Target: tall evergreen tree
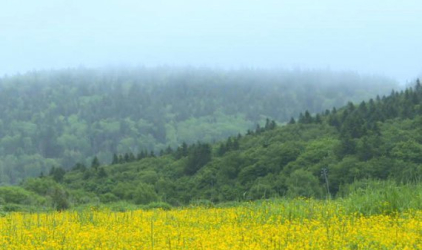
pixel 292 121
pixel 95 164
pixel 115 159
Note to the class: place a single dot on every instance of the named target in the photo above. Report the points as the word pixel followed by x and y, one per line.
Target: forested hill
pixel 380 138
pixel 60 118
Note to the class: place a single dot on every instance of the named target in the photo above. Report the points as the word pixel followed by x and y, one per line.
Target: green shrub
pixel 158 205
pixel 144 194
pixel 18 195
pixel 108 197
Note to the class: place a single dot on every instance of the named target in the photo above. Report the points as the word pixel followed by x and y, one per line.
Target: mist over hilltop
pixel 377 37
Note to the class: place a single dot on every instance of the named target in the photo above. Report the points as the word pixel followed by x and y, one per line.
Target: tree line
pixel 64 117
pixel 377 139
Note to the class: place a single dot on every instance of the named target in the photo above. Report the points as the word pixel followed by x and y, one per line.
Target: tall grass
pixel 367 197
pixel 382 197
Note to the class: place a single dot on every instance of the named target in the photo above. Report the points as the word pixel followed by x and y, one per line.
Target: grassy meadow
pixel 375 219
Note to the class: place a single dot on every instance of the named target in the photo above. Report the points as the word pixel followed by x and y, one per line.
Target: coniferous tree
pixel 184 149
pixel 169 150
pixel 229 144
pixel 236 145
pixel 318 119
pixel 333 121
pixel 273 124
pixel 307 119
pixel 267 124
pixel 363 110
pixel 132 157
pixel 102 173
pixel 140 155
pixel 152 154
pixel 198 157
pixel 301 118
pixel 292 121
pixel 121 159
pixel 258 129
pixel 95 163
pixel 347 146
pixel 115 159
pixel 350 107
pixel 126 157
pixel 222 149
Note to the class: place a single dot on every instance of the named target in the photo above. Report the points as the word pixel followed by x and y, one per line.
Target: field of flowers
pixel 297 224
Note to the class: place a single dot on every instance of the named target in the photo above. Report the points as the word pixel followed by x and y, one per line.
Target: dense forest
pixel 316 155
pixel 61 118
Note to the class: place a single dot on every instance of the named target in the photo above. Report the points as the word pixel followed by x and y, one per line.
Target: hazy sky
pixel 369 36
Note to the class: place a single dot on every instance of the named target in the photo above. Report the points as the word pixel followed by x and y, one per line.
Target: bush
pixel 303 184
pixel 13 208
pixel 144 194
pixel 40 186
pixel 18 195
pixel 108 197
pixel 158 205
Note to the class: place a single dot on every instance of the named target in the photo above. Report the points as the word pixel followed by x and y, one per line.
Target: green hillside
pixel 60 118
pixel 377 139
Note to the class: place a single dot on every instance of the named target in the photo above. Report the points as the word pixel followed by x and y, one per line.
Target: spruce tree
pixel 102 173
pixel 132 157
pixel 95 163
pixel 126 157
pixel 115 159
pixel 292 121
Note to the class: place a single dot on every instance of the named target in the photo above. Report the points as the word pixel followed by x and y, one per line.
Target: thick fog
pixel 377 36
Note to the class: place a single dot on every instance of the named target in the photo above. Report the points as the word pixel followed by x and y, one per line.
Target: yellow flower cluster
pixel 268 225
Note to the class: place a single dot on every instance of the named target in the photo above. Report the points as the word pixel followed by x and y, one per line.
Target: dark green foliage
pixel 59 199
pixel 57 173
pixel 306 119
pixel 126 157
pixel 95 164
pixel 302 183
pixel 79 167
pixel 355 143
pixel 65 117
pixel 41 186
pixel 199 155
pixel 157 205
pixel 102 173
pixel 292 121
pixel 115 159
pixel 18 195
pixel 144 194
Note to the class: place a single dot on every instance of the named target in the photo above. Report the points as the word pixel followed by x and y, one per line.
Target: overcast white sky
pixel 368 36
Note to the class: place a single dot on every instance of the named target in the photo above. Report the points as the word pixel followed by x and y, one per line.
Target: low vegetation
pixel 275 224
